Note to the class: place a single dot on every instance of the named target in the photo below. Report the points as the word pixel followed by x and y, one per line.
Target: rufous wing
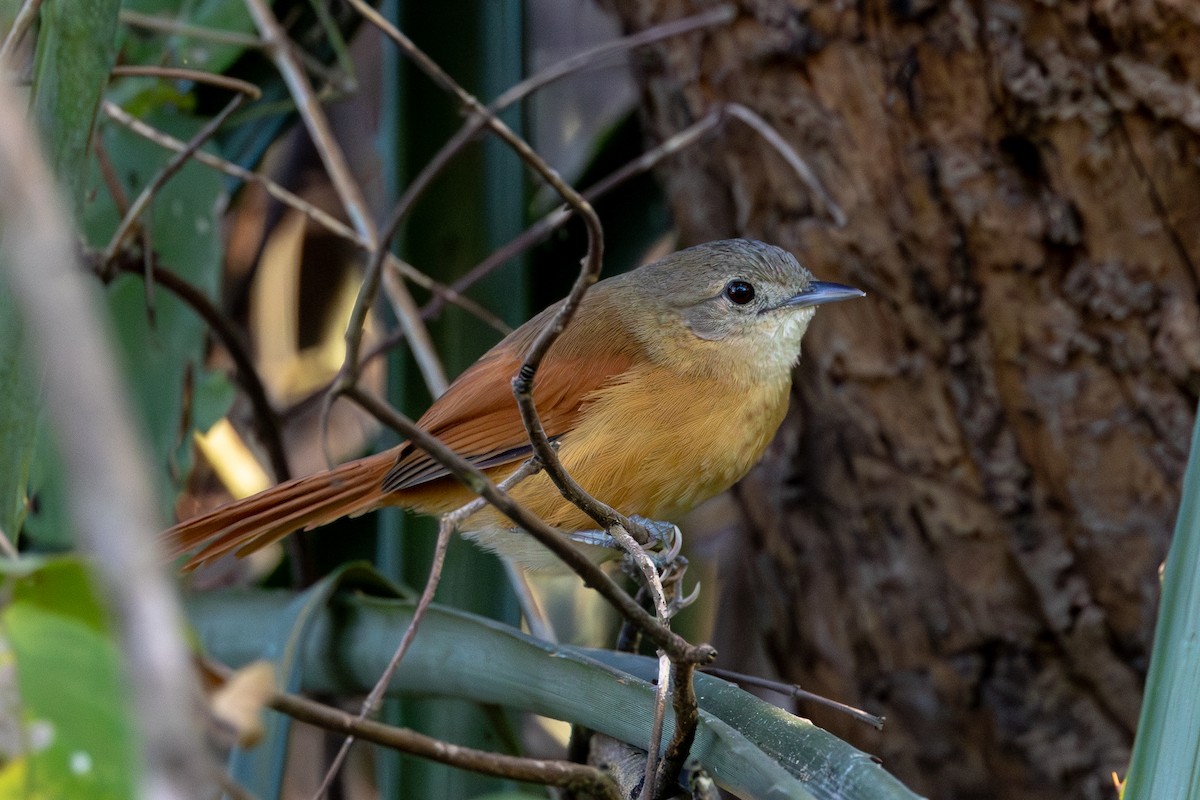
pixel 478 415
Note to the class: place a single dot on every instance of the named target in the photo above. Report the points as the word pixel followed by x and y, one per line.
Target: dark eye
pixel 739 292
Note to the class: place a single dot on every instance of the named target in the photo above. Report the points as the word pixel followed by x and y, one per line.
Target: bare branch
pixel 540 230
pixel 767 132
pixel 6 546
pixel 594 56
pixel 173 166
pixel 195 75
pixel 586 780
pixel 176 28
pixel 535 617
pixel 411 325
pixel 792 690
pixel 310 110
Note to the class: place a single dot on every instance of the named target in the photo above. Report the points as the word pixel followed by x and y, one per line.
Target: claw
pixel 662 534
pixel 680 603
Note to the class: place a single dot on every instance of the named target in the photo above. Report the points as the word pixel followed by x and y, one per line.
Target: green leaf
pixel 283 639
pixel 748 746
pixel 163 359
pixel 76 50
pixel 75 739
pixel 1166 752
pixel 75 53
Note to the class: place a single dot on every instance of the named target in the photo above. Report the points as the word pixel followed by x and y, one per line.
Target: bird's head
pixel 749 299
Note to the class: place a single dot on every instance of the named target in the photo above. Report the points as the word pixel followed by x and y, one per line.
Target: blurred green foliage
pixel 67 732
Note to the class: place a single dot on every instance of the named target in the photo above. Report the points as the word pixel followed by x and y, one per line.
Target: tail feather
pixel 246 525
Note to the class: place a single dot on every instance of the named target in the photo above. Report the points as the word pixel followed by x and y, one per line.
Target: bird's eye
pixel 739 292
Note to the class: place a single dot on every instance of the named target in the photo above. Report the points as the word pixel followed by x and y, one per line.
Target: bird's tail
pixel 246 525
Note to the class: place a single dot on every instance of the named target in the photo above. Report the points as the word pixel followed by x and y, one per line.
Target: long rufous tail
pixel 246 525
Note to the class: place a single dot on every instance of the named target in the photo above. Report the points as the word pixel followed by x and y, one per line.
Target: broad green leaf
pixel 260 770
pixel 75 53
pixel 76 49
pixel 162 359
pixel 1166 752
pixel 69 694
pixel 748 746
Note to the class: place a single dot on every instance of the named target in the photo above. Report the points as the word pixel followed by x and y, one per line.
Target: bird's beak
pixel 821 292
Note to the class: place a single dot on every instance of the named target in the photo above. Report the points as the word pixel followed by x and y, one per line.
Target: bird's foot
pixel 663 546
pixel 664 539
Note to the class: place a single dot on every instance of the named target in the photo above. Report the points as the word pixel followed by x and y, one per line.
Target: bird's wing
pixel 478 416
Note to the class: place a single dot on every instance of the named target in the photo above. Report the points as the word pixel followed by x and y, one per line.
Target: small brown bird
pixel 663 391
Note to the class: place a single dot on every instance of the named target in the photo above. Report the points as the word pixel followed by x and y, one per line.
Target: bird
pixel 664 390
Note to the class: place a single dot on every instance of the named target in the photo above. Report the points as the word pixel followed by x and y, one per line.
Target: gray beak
pixel 821 292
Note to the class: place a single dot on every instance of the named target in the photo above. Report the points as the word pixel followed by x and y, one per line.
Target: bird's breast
pixel 657 444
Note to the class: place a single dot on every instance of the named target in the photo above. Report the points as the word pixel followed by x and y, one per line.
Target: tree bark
pixel 961 523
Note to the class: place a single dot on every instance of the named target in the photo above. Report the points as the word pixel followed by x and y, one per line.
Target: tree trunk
pixel 960 524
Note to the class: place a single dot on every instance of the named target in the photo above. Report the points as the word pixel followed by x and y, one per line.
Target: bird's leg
pixel 665 538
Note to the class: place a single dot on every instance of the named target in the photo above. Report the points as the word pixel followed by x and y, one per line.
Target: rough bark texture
pixel 961 523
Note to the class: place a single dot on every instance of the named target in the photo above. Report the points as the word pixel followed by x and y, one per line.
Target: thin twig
pixel 535 617
pixel 108 174
pixel 233 790
pixel 542 229
pixel 292 200
pixel 767 132
pixel 175 27
pixel 407 312
pixel 184 74
pixel 446 528
pixel 371 280
pixel 479 483
pixel 650 577
pixel 594 56
pixel 6 546
pixel 793 690
pixel 314 118
pixel 370 287
pixel 581 778
pixel 172 166
pixel 21 23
